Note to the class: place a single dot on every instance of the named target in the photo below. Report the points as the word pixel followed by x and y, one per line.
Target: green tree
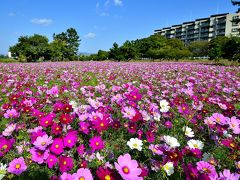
pixel 57 49
pixel 31 47
pixel 216 47
pixel 232 49
pixel 199 48
pixel 102 55
pixel 115 53
pixel 72 41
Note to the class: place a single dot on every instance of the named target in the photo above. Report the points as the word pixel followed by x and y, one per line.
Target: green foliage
pixel 199 48
pixel 232 49
pixel 216 47
pixel 69 42
pixel 30 48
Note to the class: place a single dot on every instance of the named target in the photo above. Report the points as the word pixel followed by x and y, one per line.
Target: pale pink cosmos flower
pixel 11 113
pixel 128 112
pixel 219 118
pixel 234 124
pixel 128 168
pixel 9 130
pixel 53 91
pixel 43 141
pixel 83 174
pixel 227 175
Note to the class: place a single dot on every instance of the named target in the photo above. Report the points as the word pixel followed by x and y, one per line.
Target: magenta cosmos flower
pixel 83 174
pixel 38 155
pixel 43 141
pixel 128 168
pixel 17 166
pixel 51 160
pixel 84 127
pixel 206 168
pixel 57 146
pixel 5 145
pixel 96 143
pixel 65 163
pixel 70 139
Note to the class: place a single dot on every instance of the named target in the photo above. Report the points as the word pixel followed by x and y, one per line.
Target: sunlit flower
pixel 171 141
pixel 169 168
pixel 164 106
pixel 3 170
pixel 188 131
pixel 135 143
pixel 195 144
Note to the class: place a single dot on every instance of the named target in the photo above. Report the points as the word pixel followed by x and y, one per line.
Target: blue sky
pixel 99 23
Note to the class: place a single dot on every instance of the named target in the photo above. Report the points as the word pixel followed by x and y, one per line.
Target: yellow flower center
pixel 57 146
pixel 107 177
pixel 232 145
pixel 218 119
pixel 206 170
pixel 101 124
pixel 46 122
pixel 97 143
pixel 69 141
pixel 135 145
pixel 5 146
pixel 64 162
pixel 81 178
pixel 43 143
pixel 166 167
pixel 18 166
pixel 195 145
pixel 134 97
pixel 126 170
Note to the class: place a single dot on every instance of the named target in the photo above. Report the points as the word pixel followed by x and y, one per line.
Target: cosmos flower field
pixel 113 121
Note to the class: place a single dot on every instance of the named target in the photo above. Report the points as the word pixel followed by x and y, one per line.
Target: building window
pixel 235 30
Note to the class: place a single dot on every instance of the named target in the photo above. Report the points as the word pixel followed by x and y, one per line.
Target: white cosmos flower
pixel 73 104
pixel 171 141
pixel 169 168
pixel 164 106
pixel 135 143
pixel 195 144
pixel 188 131
pixel 3 170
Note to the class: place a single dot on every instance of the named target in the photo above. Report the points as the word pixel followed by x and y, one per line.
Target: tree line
pixel 37 47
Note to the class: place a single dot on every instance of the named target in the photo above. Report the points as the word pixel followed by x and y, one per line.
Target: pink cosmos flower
pixel 128 168
pixel 51 160
pixel 11 113
pixel 234 124
pixel 65 163
pixel 43 141
pixel 128 112
pixel 5 145
pixel 57 146
pixel 66 176
pixel 155 149
pixel 38 155
pixel 206 168
pixel 9 130
pixel 53 91
pixel 227 175
pixel 17 166
pixel 84 127
pixel 84 174
pixel 219 118
pixel 96 143
pixel 81 149
pixel 70 139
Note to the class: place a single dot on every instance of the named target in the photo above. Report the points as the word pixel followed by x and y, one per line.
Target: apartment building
pixel 203 29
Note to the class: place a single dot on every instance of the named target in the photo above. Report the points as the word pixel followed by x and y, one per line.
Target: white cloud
pixel 90 35
pixel 44 22
pixel 118 2
pixel 107 3
pixel 97 5
pixel 104 14
pixel 11 14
